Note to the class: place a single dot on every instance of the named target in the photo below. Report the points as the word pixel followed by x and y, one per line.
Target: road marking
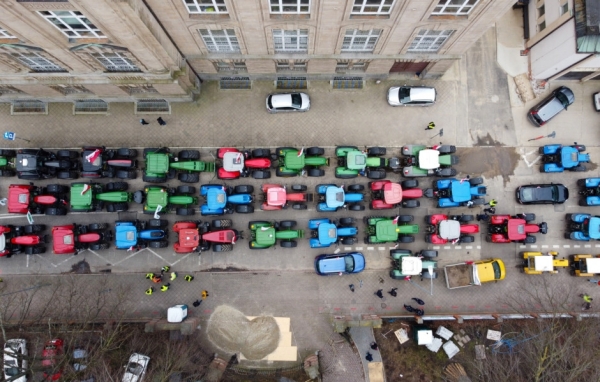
pixel 544 246
pixel 181 258
pixel 436 247
pixel 587 246
pixel 370 248
pixel 447 247
pixel 556 246
pixel 525 155
pixel 128 257
pixel 102 257
pixel 576 246
pixel 469 247
pixel 458 247
pixel 381 248
pixel 534 246
pixel 337 250
pixel 27 266
pixel 522 246
pixel 43 258
pixel 359 248
pixel 566 246
pixel 597 245
pixel 347 248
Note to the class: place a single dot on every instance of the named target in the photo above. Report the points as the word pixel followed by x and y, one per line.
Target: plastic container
pixel 177 313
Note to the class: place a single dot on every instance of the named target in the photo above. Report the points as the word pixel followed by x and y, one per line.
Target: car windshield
pixel 349 260
pixel 269 102
pixel 12 371
pixel 404 95
pixel 496 267
pixel 563 99
pixel 135 368
pixel 296 101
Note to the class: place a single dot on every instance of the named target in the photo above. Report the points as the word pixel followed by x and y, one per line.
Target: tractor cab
pixel 449 229
pixel 233 161
pixel 293 161
pixel 276 196
pixel 18 198
pixel 356 160
pixel 335 197
pixel 429 159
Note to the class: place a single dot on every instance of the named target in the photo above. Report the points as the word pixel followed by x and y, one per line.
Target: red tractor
pixel 277 197
pixel 51 200
pixel 514 229
pixel 236 163
pixel 386 194
pixel 452 229
pixel 74 238
pixel 19 239
pixel 199 236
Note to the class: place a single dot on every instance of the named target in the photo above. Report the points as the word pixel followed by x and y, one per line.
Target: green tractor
pixel 87 197
pixel 385 229
pixel 160 200
pixel 265 234
pixel 353 162
pixel 293 162
pixel 161 165
pixel 7 163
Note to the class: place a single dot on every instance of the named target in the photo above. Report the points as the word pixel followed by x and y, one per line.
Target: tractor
pixel 383 229
pixel 98 162
pixel 277 197
pixel 293 162
pixel 51 200
pixel 353 162
pixel 87 197
pixel 136 234
pixel 265 234
pixel 160 199
pixel 74 238
pixel 161 165
pixel 325 232
pixel 200 236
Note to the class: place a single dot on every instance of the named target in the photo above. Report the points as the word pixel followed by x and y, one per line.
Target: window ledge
pixel 205 16
pixel 449 17
pixel 291 16
pixel 370 17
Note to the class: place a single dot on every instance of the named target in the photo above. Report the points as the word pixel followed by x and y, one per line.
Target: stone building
pixel 154 52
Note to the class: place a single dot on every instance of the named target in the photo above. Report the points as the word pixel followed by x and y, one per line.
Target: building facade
pixel 154 52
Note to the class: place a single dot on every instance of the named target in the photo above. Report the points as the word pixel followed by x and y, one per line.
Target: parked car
pixel 280 103
pixel 80 356
pixel 136 368
pixel 411 96
pixel 340 263
pixel 53 349
pixel 596 100
pixel 542 194
pixel 560 99
pixel 15 360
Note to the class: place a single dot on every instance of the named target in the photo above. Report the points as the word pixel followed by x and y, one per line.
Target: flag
pixel 156 213
pixel 396 219
pixel 29 217
pixel 301 152
pixel 239 157
pixel 234 239
pixel 3 201
pixel 130 249
pixel 93 156
pixel 86 188
pixel 435 147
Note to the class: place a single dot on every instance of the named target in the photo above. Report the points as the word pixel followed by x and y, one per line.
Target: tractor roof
pixel 429 159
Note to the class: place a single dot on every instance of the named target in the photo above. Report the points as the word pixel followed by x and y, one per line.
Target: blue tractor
pixel 135 234
pixel 582 227
pixel 455 193
pixel 325 232
pixel 589 189
pixel 220 199
pixel 558 158
pixel 331 197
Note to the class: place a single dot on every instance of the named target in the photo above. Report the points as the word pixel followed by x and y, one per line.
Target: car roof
pixel 421 93
pixel 281 100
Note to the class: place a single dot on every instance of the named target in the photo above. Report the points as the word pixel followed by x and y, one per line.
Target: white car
pixel 15 363
pixel 136 368
pixel 280 103
pixel 411 96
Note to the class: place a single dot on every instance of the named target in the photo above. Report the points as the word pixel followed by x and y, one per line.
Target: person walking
pixel 197 303
pixel 369 357
pixel 418 301
pixel 143 122
pixel 149 291
pixel 490 210
pixel 374 346
pixel 173 275
pixel 165 287
pixel 156 278
pixel 164 269
pixel 409 308
pixel 188 278
pixel 393 292
pixel 204 294
pixel 351 286
pixel 149 276
pixel 379 293
pixel 419 312
pixel 431 126
pixel 492 203
pixel 161 121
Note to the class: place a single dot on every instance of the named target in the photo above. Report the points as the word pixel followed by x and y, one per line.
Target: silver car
pixel 411 96
pixel 136 368
pixel 288 102
pixel 15 360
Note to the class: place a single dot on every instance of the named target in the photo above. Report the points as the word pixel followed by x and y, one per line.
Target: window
pixel 454 7
pixel 286 41
pixel 541 10
pixel 344 66
pixel 223 40
pixel 36 62
pixel 206 6
pixel 290 6
pixel 73 24
pixel 235 83
pixel 429 40
pixel 115 62
pixel 291 65
pixel 564 8
pixel 372 7
pixel 138 89
pixel 347 83
pixel 5 34
pixel 231 66
pixel 70 89
pixel 360 41
pixel 542 25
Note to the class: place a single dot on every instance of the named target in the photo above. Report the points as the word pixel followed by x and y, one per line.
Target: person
pixel 586 297
pixel 156 278
pixel 188 278
pixel 431 126
pixel 149 291
pixel 161 121
pixel 393 292
pixel 143 122
pixel 490 210
pixel 149 276
pixel 197 303
pixel 493 203
pixel 351 286
pixel 409 308
pixel 369 357
pixel 418 301
pixel 204 294
pixel 483 217
pixel 374 346
pixel 379 293
pixel 164 269
pixel 165 287
pixel 173 276
pixel 419 312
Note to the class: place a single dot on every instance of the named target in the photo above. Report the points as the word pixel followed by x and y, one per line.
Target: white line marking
pixel 43 258
pixel 381 248
pixel 522 246
pixel 186 256
pixel 534 246
pixel 347 248
pixel 27 266
pixel 479 247
pixel 566 246
pixel 544 246
pixel 359 248
pixel 102 257
pixel 436 247
pixel 556 246
pixel 530 164
pixel 597 245
pixel 447 247
pixel 458 247
pixel 587 246
pixel 577 246
pixel 337 250
pixel 469 247
pixel 370 248
pixel 128 257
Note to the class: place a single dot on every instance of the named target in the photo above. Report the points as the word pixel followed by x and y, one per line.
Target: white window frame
pixel 36 62
pixel 215 41
pixel 205 7
pixel 352 43
pixel 436 38
pixel 364 4
pixel 564 8
pixel 115 62
pixel 89 30
pixel 447 8
pixel 5 34
pixel 290 40
pixel 286 8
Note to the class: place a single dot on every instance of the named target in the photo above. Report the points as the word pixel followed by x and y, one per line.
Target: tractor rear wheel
pixel 193 177
pixel 261 174
pixel 410 183
pixel 348 240
pixel 222 247
pixel 243 189
pixel 184 211
pixel 154 179
pixel 406 239
pixel 68 175
pixel 356 207
pixel 117 186
pixel 57 188
pixel 288 244
pixel 376 151
pixel 67 154
pixel 34 228
pixel 158 244
pixel 127 153
pixel 315 151
pixel 244 209
pixel 189 155
pixel 188 190
pixel 8 153
pixel 261 153
pixel 7 173
pixel 126 174
pixel 98 226
pixel 158 223
pixel 356 187
pixel 56 211
pixel 347 221
pixel 287 223
pixel 221 223
pixel 315 172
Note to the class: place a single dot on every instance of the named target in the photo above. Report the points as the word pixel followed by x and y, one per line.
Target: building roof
pixel 587 26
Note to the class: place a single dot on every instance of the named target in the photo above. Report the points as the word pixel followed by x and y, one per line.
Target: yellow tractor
pixel 536 263
pixel 584 265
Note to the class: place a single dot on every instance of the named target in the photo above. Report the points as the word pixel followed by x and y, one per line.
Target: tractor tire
pixel 376 151
pixel 35 250
pixel 126 174
pixel 99 246
pixel 315 172
pixel 287 224
pixel 189 155
pixel 98 226
pixel 244 209
pixel 429 253
pixel 285 174
pixel 243 189
pixel 154 179
pixel 117 186
pixel 356 187
pixel 158 223
pixel 117 207
pixel 299 206
pixel 579 168
pixel 348 240
pixel 288 244
pixel 34 228
pixel 314 151
pixel 411 203
pixel 193 177
pixel 478 201
pixel 222 247
pixel 261 153
pixel 529 239
pixel 261 174
pixel 580 148
pixel 466 218
pixel 184 211
pixel 467 239
pixel 186 190
pixel 68 175
pixel 410 183
pixel 299 187
pixel 57 189
pixel 581 182
pixel 447 149
pixel 406 239
pixel 8 153
pixel 67 154
pixel 405 218
pixel 7 173
pixel 56 211
pixel 347 221
pixel 529 217
pixel 127 153
pixel 356 207
pixel 158 244
pixel 221 223
pixel 377 173
pixel 427 275
pixel 476 181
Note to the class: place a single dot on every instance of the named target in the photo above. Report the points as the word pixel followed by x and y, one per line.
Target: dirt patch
pixel 489 161
pixel 81 268
pixel 227 269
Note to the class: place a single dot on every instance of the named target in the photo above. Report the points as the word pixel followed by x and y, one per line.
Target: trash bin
pixel 177 313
